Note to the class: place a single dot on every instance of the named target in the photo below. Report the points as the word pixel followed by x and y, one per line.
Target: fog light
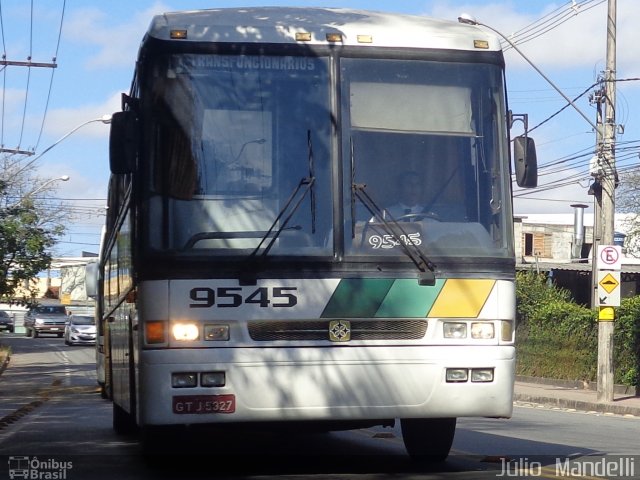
pixel 482 330
pixel 212 379
pixel 482 375
pixel 185 332
pixel 454 330
pixel 216 332
pixel 184 380
pixel 457 375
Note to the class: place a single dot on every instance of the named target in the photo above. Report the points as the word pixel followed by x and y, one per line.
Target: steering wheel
pixel 418 216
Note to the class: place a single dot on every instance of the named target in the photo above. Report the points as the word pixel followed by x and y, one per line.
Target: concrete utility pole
pixel 608 183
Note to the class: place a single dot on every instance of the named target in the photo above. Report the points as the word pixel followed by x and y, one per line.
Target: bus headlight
pixel 185 332
pixel 216 332
pixel 482 330
pixel 454 330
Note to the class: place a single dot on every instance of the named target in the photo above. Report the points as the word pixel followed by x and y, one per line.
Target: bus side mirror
pixel 526 162
pixel 91 279
pixel 123 142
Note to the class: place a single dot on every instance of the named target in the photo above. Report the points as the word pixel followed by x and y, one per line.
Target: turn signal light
pixel 154 332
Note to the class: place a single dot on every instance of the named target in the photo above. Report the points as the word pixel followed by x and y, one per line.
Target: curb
pixel 577 385
pixel 608 407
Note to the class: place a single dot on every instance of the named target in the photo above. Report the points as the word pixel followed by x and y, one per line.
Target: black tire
pixel 428 439
pixel 123 421
pixel 159 442
pixel 103 391
pixel 35 334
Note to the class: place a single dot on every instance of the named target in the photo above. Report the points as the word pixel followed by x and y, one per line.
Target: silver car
pixel 45 319
pixel 80 330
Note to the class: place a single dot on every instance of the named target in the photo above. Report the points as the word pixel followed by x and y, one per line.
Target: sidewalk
pixel 568 395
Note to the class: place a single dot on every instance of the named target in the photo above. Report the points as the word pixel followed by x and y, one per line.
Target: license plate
pixel 54 328
pixel 204 404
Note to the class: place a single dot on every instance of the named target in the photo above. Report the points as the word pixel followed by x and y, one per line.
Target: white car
pixel 80 330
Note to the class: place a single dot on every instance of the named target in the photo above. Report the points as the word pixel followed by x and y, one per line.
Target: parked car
pixel 45 319
pixel 80 329
pixel 6 321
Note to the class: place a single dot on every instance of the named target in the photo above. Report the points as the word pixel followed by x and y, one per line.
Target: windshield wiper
pixel 309 183
pixel 392 227
pixel 304 185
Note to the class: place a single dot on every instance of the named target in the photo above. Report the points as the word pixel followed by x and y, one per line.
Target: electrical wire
pixel 53 70
pixel 26 92
pixel 551 21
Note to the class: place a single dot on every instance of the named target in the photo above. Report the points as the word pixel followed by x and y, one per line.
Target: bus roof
pixel 315 26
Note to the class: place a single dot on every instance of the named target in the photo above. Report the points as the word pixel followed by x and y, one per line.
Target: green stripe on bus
pixel 357 297
pixel 406 298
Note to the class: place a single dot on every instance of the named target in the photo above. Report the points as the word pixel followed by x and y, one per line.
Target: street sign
pixel 609 257
pixel 608 288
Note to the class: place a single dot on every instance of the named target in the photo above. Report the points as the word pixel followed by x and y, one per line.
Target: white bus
pixel 253 269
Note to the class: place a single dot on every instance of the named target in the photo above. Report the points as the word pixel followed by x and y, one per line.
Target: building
pixel 560 245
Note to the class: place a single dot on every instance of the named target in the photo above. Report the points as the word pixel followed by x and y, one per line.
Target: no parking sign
pixel 609 266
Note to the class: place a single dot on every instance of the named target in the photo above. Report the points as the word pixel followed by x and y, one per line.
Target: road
pixel 51 414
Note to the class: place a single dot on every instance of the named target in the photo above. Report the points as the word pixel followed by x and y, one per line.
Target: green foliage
pixel 532 291
pixel 23 247
pixel 626 341
pixel 557 338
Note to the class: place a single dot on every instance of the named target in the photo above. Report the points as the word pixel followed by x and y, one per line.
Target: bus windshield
pixel 241 155
pixel 425 149
pixel 241 163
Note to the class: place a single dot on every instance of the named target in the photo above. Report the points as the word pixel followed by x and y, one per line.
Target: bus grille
pixel 264 331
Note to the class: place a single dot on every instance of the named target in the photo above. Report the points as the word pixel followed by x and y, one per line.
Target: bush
pixel 626 342
pixel 557 338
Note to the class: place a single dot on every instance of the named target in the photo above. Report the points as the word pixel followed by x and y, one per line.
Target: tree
pixel 28 230
pixel 628 201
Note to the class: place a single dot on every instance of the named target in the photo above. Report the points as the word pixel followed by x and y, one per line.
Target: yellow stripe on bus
pixel 461 297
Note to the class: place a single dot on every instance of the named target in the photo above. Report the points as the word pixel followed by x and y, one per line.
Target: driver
pixel 409 206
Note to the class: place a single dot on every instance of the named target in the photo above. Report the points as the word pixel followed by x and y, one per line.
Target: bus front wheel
pixel 428 439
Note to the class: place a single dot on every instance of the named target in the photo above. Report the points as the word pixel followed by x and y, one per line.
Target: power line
pixel 54 60
pixel 30 64
pixel 552 20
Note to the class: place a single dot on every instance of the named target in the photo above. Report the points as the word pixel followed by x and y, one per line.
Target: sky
pixel 55 112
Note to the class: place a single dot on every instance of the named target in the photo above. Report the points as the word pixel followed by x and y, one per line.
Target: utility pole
pixel 4 63
pixel 608 184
